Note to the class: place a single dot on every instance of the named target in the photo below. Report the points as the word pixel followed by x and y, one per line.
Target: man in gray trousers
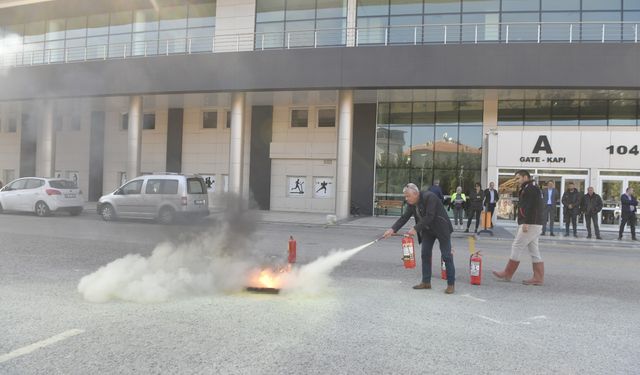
pixel 550 196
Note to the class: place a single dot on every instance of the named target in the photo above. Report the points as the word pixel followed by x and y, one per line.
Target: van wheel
pixel 166 216
pixel 108 213
pixel 42 209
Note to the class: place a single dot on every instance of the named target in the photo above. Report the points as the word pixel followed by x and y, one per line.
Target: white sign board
pixel 296 186
pixel 323 187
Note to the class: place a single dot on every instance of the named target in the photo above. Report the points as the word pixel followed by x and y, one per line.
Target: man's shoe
pixel 466 230
pixel 422 286
pixel 552 235
pixel 588 236
pixel 619 238
pixel 575 235
pixel 450 289
pixel 598 238
pixel 566 234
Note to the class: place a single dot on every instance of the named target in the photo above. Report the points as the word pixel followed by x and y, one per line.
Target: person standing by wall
pixel 458 202
pixel 475 206
pixel 590 205
pixel 571 203
pixel 550 196
pixel 490 201
pixel 432 223
pixel 629 209
pixel 530 211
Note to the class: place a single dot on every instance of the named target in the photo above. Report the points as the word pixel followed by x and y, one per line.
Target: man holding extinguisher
pixel 432 223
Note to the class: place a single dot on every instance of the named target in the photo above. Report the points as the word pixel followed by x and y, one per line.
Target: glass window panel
pixel 406 6
pixel 481 5
pixel 270 35
pixel 400 113
pixel 149 121
pixel 510 113
pixel 269 10
pixel 612 30
pixel 381 182
pixel 564 112
pixel 97 47
pixel 300 10
pixel 76 27
pixel 397 179
pixel 442 6
pixel 424 113
pixel 593 112
pixel 34 32
pixel 331 32
pixel 446 113
pixel 537 112
pixel 382 145
pixel 372 30
pixel 373 8
pixel 119 44
pixel 55 49
pixel 202 15
pixel 434 30
pixel 173 17
pixel 331 8
pixel 561 5
pixel 517 31
pixel 34 53
pixel 201 32
pixel 97 24
pixel 17 30
pixel 449 179
pixel 422 146
pixel 487 26
pixel 78 42
pixel 471 113
pixel 629 29
pixel 299 118
pixel 120 22
pixel 383 113
pixel 326 117
pixel 210 120
pixel 173 40
pixel 145 44
pixel 300 33
pixel 622 112
pixel 601 4
pixel 399 145
pixel 631 4
pixel 145 20
pixel 469 178
pixel 446 146
pixel 421 177
pixel 470 147
pixel 520 5
pixel 75 49
pixel 56 29
pixel 405 30
pixel 560 30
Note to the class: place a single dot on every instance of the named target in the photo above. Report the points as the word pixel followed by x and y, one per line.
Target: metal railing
pixel 463 33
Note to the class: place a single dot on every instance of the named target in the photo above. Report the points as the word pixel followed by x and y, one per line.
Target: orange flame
pixel 268 278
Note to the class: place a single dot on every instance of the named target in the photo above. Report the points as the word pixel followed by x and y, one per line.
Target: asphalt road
pixel 368 321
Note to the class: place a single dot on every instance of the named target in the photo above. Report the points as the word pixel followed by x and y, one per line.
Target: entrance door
pixel 543 180
pixel 580 183
pixel 612 188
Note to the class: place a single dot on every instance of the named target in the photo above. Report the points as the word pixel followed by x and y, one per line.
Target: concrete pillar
pixel 345 142
pixel 236 146
pixel 46 147
pixel 134 137
pixel 489 123
pixel 352 7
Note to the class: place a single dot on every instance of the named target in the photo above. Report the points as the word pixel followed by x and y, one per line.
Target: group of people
pixel 589 205
pixel 477 201
pixel 535 207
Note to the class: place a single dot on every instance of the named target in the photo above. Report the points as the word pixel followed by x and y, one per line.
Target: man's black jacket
pixel 430 215
pixel 530 205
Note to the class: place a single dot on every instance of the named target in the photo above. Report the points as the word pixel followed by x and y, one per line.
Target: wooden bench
pixel 385 204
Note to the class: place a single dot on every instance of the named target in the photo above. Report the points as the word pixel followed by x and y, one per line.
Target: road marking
pixel 489 319
pixel 473 298
pixel 39 345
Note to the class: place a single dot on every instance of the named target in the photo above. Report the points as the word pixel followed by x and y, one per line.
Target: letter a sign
pixel 542 145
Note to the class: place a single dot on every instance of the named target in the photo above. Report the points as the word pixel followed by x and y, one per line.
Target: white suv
pixel 42 196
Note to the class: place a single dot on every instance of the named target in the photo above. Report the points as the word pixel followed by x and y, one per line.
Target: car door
pixel 153 197
pixel 11 194
pixel 31 194
pixel 128 200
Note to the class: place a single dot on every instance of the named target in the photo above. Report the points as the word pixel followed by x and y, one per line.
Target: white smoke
pixel 10 52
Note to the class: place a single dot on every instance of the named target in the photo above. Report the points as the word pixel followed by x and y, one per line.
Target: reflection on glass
pixel 510 113
pixel 406 6
pixel 611 192
pixel 442 6
pixel 593 112
pixel 173 17
pixel 471 113
pixel 520 5
pixel 446 147
pixel 470 148
pixel 623 112
pixel 537 112
pixel 372 7
pixel 564 112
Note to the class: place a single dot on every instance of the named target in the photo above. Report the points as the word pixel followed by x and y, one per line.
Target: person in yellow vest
pixel 458 203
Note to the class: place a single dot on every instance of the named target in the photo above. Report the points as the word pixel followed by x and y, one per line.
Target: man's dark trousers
pixel 629 218
pixel 445 249
pixel 592 217
pixel 549 213
pixel 574 222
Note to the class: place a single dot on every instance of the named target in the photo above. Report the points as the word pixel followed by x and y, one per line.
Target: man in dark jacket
pixel 490 201
pixel 435 189
pixel 571 203
pixel 550 197
pixel 530 207
pixel 590 205
pixel 475 206
pixel 629 209
pixel 432 222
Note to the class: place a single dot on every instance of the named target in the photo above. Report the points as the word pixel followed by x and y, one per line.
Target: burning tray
pixel 262 290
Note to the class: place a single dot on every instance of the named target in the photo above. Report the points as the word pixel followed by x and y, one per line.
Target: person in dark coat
pixel 475 200
pixel 629 209
pixel 432 223
pixel 435 189
pixel 571 203
pixel 550 196
pixel 590 205
pixel 490 201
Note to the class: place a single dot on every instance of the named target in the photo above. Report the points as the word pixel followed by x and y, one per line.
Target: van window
pixel 63 184
pixel 32 183
pixel 195 186
pixel 162 187
pixel 132 187
pixel 18 185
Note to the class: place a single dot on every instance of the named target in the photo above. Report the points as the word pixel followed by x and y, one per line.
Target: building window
pixel 209 120
pixel 75 124
pixel 125 121
pixel 228 120
pixel 299 118
pixel 149 121
pixel 13 124
pixel 327 117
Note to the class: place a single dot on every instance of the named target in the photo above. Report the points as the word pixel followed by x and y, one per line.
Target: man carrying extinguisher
pixel 432 223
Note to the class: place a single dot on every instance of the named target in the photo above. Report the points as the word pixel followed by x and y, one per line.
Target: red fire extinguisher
pixel 408 255
pixel 443 270
pixel 292 250
pixel 475 268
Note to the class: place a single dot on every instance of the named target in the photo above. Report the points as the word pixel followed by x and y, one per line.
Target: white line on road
pixel 489 319
pixel 473 298
pixel 39 345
